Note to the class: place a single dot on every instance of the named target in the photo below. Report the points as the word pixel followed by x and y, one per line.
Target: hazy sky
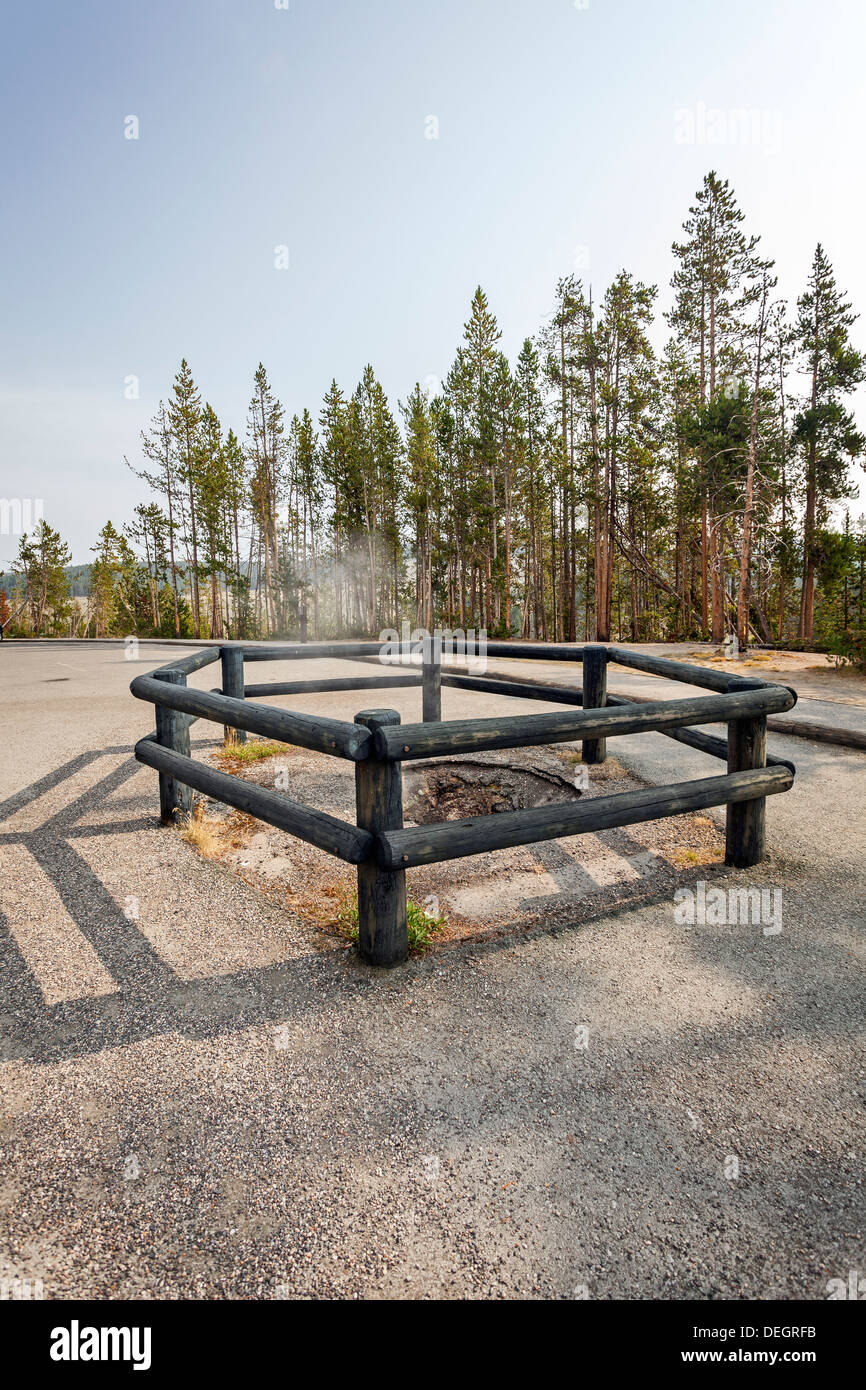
pixel 562 145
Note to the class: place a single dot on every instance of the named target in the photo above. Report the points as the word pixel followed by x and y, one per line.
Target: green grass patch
pixel 423 926
pixel 252 751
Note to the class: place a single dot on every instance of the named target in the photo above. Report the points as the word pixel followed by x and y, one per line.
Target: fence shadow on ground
pixel 151 998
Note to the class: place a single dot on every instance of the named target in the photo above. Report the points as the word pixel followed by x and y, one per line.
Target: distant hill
pixel 79 579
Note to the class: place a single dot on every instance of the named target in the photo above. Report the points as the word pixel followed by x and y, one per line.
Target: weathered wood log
pixel 594 750
pixel 316 827
pixel 427 844
pixel 745 821
pixel 172 732
pixel 821 733
pixel 185 665
pixel 674 670
pixel 528 730
pixel 469 645
pixel 335 683
pixel 520 690
pixel 535 651
pixel 706 743
pixel 431 678
pixel 308 651
pixel 532 651
pixel 383 930
pixel 332 736
pixel 232 659
pixel 695 738
pixel 526 688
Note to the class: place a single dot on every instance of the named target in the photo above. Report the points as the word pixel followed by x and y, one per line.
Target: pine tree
pixel 213 506
pixel 104 572
pixel 421 459
pixel 564 344
pixel 150 530
pixel 627 381
pixel 333 420
pixel 744 598
pixel 157 446
pixel 824 430
pixel 41 563
pixel 716 282
pixel 184 418
pixel 481 333
pixel 529 446
pixel 267 453
pixel 308 484
pixel 237 505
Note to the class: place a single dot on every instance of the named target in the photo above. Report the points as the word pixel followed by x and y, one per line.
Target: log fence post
pixel 172 731
pixel 383 931
pixel 232 661
pixel 745 820
pixel 431 680
pixel 594 750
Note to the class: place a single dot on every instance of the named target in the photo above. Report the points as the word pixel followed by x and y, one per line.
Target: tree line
pixel 593 489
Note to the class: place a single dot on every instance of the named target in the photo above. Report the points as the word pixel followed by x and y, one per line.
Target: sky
pixel 400 153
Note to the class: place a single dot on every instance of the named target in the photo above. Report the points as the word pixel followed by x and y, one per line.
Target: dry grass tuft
pixel 688 858
pixel 569 755
pixel 610 770
pixel 214 837
pixel 326 904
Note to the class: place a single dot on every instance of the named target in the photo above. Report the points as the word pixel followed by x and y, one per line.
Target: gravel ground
pixel 203 1098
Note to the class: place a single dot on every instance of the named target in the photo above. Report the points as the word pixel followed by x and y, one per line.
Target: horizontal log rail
pixel 379 845
pixel 528 689
pixel 711 744
pixel 326 832
pixel 187 664
pixel 311 651
pixel 386 651
pixel 332 736
pixel 703 676
pixel 252 692
pixel 523 690
pixel 427 844
pixel 529 730
pixel 820 733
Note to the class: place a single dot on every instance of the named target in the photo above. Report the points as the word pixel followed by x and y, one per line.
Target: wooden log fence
pixel 378 744
pixel 427 844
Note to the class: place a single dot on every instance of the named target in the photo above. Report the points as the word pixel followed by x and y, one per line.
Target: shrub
pixel 423 926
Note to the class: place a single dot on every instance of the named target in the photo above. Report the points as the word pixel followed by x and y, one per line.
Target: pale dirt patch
pixel 812 674
pixel 558 882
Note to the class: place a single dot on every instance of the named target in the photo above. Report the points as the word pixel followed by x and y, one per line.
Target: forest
pixel 592 489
